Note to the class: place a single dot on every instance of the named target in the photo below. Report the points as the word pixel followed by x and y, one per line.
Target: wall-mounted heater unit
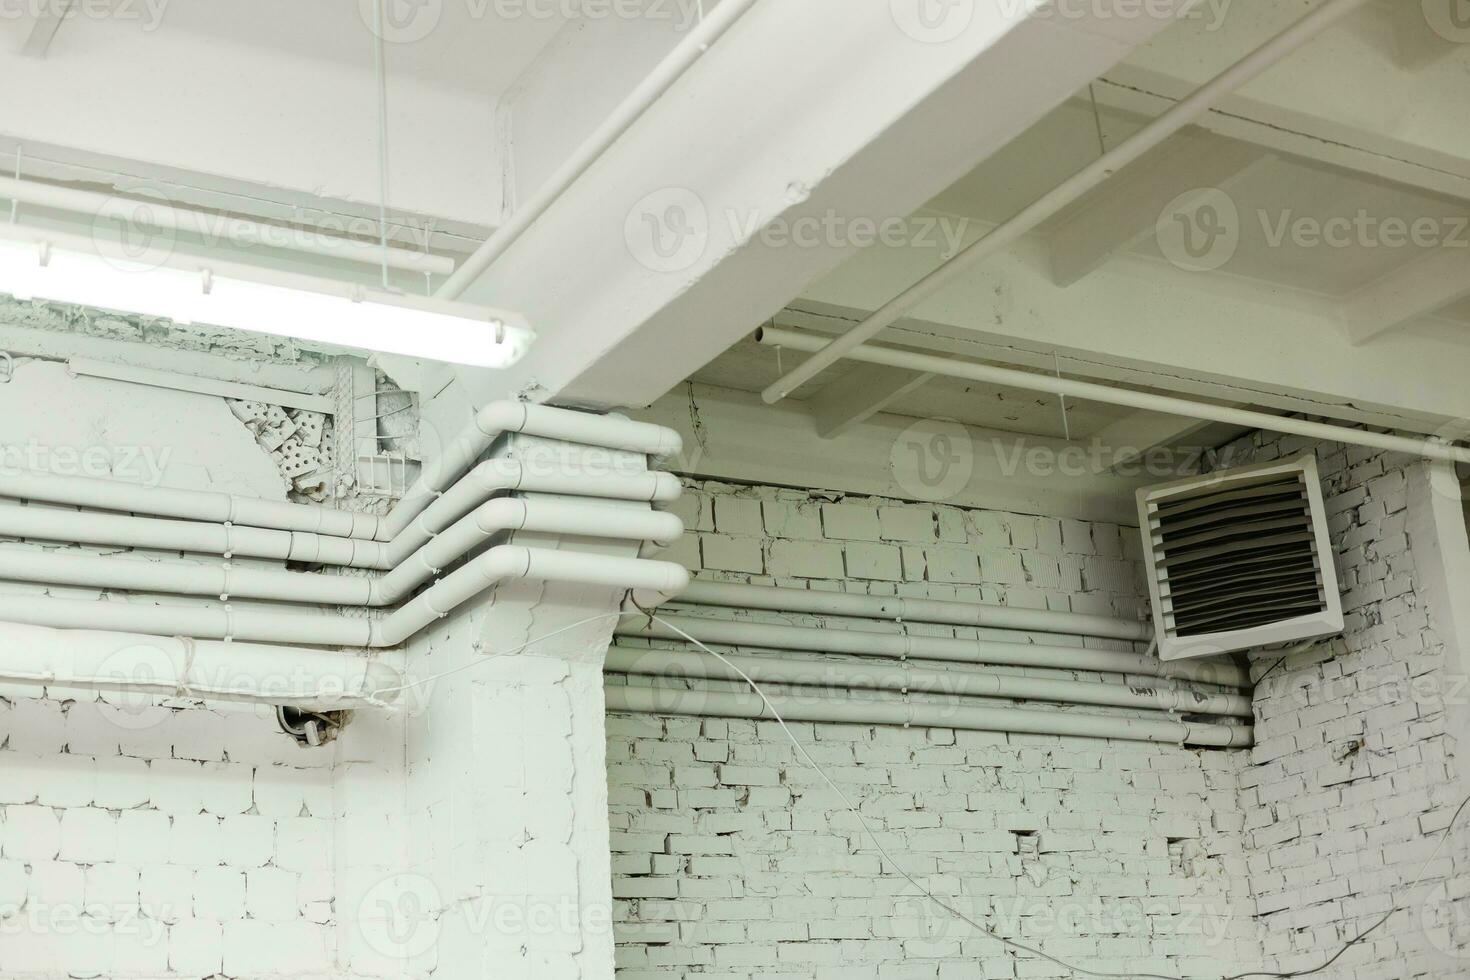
pixel 1239 559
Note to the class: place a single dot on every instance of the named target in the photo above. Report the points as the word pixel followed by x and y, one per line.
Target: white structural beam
pixel 1310 106
pixel 1135 436
pixel 733 435
pixel 1415 290
pixel 860 395
pixel 1125 210
pixel 683 236
pixel 1143 321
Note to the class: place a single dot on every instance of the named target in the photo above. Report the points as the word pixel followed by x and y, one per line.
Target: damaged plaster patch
pixel 299 442
pixel 89 322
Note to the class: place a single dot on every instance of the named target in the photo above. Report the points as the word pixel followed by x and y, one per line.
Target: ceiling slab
pixel 726 182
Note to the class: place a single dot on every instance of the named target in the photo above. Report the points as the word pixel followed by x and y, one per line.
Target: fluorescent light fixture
pixel 187 289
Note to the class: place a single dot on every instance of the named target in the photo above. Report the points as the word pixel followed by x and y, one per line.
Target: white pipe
pixel 227 581
pixel 652 582
pixel 904 677
pixel 124 531
pixel 508 475
pixel 740 596
pixel 498 418
pixel 317 680
pixel 1002 236
pixel 220 227
pixel 492 421
pixel 771 636
pixel 702 703
pixel 614 125
pixel 1167 404
pixel 192 505
pixel 87 367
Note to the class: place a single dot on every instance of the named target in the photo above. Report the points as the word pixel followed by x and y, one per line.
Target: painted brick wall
pixel 140 837
pixel 1353 776
pixel 731 859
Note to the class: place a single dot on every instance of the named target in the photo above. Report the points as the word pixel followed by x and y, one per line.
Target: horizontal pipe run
pixel 1074 187
pixel 191 505
pixel 652 581
pixel 86 367
pixel 50 524
pixel 832 674
pixel 648 91
pixel 314 680
pixel 703 703
pixel 1108 395
pixel 736 595
pixel 498 418
pixel 221 228
pixel 947 649
pixel 491 477
pixel 509 475
pixel 225 581
pixel 495 419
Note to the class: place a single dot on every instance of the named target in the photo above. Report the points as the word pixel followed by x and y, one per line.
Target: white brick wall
pixel 153 837
pixel 1352 776
pixel 731 858
pixel 156 841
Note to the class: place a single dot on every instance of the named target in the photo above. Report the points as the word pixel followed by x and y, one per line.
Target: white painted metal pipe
pixel 86 367
pixel 193 505
pixel 489 478
pixel 492 421
pixel 120 530
pixel 508 475
pixel 316 680
pixel 652 581
pixel 905 677
pixel 1108 395
pixel 703 703
pixel 221 228
pixel 627 112
pixel 736 595
pixel 498 418
pixel 744 633
pixel 1002 236
pixel 226 581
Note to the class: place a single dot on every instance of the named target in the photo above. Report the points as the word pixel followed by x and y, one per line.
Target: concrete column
pixel 504 869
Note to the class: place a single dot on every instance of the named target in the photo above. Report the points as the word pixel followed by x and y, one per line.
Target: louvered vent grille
pixel 1236 553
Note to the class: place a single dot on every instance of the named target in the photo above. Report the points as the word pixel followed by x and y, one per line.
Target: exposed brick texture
pixel 733 859
pixel 1353 776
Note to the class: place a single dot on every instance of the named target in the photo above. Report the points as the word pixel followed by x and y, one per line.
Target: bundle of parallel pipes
pixel 217 650
pixel 964 683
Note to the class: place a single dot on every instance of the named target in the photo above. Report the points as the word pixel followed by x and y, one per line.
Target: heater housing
pixel 1239 559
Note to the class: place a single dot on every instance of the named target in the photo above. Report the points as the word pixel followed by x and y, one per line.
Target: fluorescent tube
pixel 73 269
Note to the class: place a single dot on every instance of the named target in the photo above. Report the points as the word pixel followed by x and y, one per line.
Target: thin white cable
pixel 986 930
pixel 382 79
pixel 878 844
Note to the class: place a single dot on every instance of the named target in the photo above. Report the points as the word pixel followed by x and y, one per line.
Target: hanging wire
pixel 1066 425
pixel 947 906
pixel 382 78
pixel 15 201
